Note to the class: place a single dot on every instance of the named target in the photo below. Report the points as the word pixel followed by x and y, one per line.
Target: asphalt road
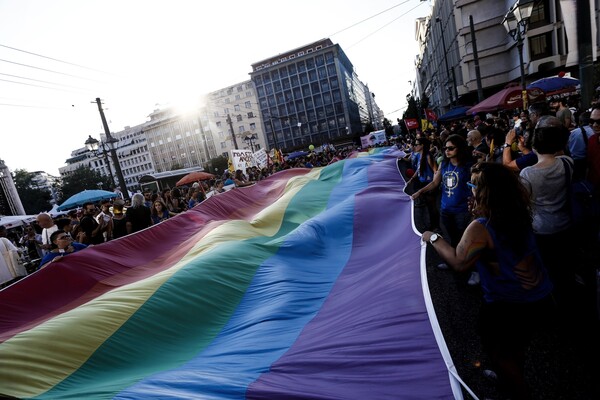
pixel 562 363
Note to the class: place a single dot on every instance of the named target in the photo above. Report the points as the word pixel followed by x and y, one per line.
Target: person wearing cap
pixel 118 219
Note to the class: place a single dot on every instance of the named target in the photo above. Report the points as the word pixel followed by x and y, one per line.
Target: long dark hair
pixel 503 200
pixel 425 145
pixel 462 152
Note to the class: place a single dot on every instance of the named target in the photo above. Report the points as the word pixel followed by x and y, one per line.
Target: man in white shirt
pixel 49 227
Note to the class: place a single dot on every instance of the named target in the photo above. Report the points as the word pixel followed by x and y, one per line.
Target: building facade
pixel 311 95
pixel 10 202
pixel 235 119
pixel 43 180
pixel 177 141
pixel 134 156
pixel 548 47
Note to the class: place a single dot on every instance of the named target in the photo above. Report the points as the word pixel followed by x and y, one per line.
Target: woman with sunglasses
pixel 425 168
pixel 453 175
pixel 501 245
pixel 62 245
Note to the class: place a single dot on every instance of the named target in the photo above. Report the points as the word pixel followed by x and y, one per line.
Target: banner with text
pixel 242 159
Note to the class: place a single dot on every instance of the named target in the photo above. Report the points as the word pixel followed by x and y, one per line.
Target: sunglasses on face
pixel 63 238
pixel 449 148
pixel 594 121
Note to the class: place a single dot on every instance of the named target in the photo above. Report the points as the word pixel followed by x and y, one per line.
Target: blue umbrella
pixel 555 84
pixel 81 198
pixel 454 114
pixel 296 154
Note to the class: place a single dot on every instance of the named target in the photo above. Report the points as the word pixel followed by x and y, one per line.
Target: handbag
pixel 582 198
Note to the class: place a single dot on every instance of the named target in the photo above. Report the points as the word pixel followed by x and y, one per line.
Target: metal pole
pixel 273 132
pixel 586 61
pixel 112 178
pixel 522 65
pixel 232 132
pixel 476 61
pixel 445 55
pixel 113 152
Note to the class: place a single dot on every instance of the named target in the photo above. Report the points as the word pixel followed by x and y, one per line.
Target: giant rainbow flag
pixel 306 285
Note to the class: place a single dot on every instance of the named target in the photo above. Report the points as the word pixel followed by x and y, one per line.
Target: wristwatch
pixel 434 237
pixel 505 145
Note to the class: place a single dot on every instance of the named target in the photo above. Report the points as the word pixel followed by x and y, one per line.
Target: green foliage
pixel 84 178
pixel 33 198
pixel 387 126
pixel 412 111
pixel 369 127
pixel 219 163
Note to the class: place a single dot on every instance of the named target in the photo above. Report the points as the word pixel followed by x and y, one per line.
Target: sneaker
pixel 473 279
pixel 442 266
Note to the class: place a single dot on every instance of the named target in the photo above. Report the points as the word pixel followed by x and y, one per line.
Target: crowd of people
pixel 49 239
pixel 500 193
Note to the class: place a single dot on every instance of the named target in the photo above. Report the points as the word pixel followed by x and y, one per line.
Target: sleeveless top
pixel 455 191
pixel 508 277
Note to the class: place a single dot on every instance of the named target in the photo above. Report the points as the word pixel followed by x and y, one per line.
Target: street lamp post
pixel 515 22
pixel 93 146
pixel 113 151
pixel 249 139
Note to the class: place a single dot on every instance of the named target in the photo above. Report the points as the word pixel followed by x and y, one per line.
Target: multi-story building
pixel 10 202
pixel 133 154
pixel 548 47
pixel 311 94
pixel 179 141
pixel 43 180
pixel 235 119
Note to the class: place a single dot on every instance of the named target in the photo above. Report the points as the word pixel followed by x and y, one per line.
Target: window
pixel 226 110
pixel 540 46
pixel 241 129
pixel 239 117
pixel 315 87
pixel 250 114
pixel 329 57
pixel 292 69
pixel 223 145
pixel 310 63
pixel 219 123
pixel 237 97
pixel 236 107
pixel 319 60
pixel 240 88
pixel 230 91
pixel 539 15
pixel 247 104
pixel 252 126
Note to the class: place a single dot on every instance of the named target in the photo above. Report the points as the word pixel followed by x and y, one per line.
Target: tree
pixel 84 178
pixel 34 199
pixel 219 163
pixel 387 125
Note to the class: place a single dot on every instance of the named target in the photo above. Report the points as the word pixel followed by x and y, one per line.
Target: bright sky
pixel 137 54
